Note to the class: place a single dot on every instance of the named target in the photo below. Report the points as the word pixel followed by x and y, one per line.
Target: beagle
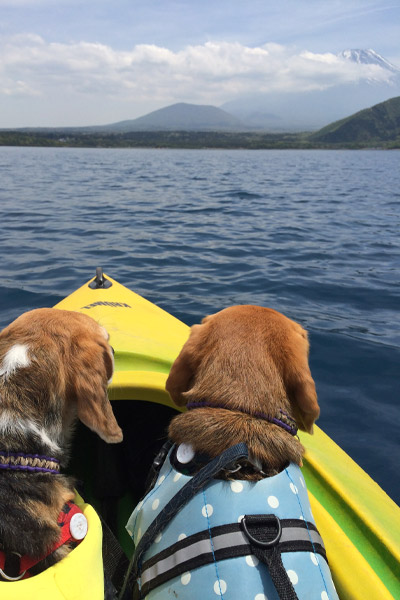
pixel 212 525
pixel 244 376
pixel 55 366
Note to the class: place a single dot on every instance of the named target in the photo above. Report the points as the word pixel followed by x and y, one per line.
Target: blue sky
pixel 68 62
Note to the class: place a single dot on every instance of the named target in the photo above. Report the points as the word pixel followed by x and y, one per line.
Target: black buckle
pixel 260 530
pixel 156 466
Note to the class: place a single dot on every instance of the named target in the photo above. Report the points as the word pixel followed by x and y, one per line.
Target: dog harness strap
pixel 280 578
pixel 189 490
pixel 73 528
pixel 234 540
pixel 157 464
pixel 10 567
pixel 264 533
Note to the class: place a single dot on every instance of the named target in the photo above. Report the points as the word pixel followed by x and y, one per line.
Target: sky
pixel 92 62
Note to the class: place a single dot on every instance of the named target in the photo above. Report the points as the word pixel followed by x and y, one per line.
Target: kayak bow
pixel 359 523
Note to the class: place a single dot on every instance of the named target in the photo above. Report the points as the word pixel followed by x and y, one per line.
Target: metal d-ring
pixel 235 467
pixel 257 520
pixel 8 577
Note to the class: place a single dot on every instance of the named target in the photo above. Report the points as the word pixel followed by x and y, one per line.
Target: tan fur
pixel 48 513
pixel 250 358
pixel 69 364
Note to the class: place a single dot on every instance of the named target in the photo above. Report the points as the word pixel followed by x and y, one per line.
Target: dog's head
pixel 58 362
pixel 247 356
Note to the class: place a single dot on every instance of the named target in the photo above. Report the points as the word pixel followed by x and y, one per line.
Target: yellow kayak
pixel 359 523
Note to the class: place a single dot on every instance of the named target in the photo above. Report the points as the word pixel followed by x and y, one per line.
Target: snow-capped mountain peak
pixel 369 57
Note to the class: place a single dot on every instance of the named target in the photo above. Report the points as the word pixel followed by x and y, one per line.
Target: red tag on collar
pixel 73 528
pixel 73 525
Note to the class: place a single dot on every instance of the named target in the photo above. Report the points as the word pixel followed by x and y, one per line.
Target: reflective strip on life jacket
pixel 224 542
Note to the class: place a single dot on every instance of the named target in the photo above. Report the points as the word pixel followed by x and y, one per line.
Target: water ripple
pixel 313 234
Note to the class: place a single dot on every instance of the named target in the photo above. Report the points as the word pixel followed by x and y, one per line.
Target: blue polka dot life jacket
pixel 201 547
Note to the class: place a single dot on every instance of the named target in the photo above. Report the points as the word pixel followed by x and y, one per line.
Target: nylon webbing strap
pixel 190 489
pixel 231 541
pixel 115 563
pixel 264 533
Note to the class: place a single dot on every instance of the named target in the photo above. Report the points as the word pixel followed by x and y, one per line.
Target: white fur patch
pixel 10 423
pixel 42 434
pixel 6 422
pixel 16 358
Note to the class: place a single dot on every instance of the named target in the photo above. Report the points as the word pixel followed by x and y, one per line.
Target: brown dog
pixel 54 367
pixel 244 370
pixel 244 377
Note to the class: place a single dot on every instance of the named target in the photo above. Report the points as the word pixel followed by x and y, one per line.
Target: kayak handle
pixel 99 281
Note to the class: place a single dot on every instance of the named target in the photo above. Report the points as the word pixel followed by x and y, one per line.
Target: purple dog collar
pixel 283 420
pixel 33 463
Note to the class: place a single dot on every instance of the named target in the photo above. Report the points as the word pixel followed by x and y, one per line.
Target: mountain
pixel 311 110
pixel 177 117
pixel 180 117
pixel 368 57
pixel 283 112
pixel 375 125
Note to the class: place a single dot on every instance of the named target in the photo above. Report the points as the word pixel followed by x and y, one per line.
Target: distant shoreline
pixel 181 140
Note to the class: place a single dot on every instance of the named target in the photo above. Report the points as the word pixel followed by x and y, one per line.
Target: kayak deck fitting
pixel 359 523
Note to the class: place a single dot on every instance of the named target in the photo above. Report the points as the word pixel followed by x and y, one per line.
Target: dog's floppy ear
pixel 94 410
pixel 89 390
pixel 301 387
pixel 303 397
pixel 184 368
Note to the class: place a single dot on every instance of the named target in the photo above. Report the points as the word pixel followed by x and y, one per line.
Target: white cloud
pixel 213 73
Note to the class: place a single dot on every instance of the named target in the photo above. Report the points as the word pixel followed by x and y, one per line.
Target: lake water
pixel 314 234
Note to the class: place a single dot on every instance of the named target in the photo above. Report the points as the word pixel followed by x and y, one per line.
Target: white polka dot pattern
pixel 294 578
pixel 237 487
pixel 252 560
pixel 314 559
pixel 273 501
pixel 220 587
pixel 207 510
pixel 223 502
pixel 185 578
